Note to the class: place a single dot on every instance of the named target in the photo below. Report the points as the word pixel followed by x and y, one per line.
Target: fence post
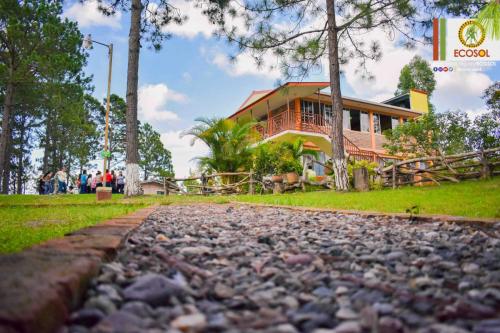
pixel 251 189
pixel 485 172
pixel 393 176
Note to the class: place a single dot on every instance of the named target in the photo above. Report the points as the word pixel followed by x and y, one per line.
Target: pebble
pixel 153 289
pixel 190 323
pixel 239 269
pixel 346 314
pixel 470 268
pixel 223 291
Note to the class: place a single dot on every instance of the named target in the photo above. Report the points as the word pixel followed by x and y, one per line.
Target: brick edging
pixel 41 285
pixel 484 222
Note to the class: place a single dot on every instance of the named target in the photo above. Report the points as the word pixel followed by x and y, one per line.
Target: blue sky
pixel 191 76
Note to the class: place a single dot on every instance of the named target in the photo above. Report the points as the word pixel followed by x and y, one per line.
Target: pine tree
pixel 303 33
pixel 147 22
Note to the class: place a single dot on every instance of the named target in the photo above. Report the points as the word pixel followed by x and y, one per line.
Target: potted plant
pixel 289 162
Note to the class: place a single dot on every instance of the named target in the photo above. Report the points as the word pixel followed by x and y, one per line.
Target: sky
pixel 192 77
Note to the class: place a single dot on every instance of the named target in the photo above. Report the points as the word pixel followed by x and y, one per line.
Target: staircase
pixel 352 149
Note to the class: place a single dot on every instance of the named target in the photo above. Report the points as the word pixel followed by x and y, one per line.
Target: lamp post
pixel 87 43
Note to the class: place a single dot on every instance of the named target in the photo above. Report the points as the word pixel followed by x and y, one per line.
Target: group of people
pixel 53 183
pixel 57 183
pixel 87 183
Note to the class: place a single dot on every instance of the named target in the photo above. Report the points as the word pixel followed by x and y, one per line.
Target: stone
pixel 346 314
pixel 86 317
pixel 236 268
pixel 487 326
pixel 161 238
pixel 119 322
pixel 348 327
pixel 323 292
pixel 102 303
pixel 299 259
pixel 443 328
pixel 223 291
pixel 140 309
pixel 195 251
pixel 396 255
pixel 154 289
pixel 110 292
pixel 341 290
pixel 390 325
pixel 470 268
pixel 383 308
pixel 190 323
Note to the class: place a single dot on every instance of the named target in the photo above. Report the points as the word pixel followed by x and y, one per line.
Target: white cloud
pixel 244 64
pixel 474 113
pixel 196 24
pixel 87 14
pixel 153 99
pixel 182 151
pixel 460 90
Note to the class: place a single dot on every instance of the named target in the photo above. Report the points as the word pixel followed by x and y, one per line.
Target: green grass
pixel 469 199
pixel 32 219
pixel 21 227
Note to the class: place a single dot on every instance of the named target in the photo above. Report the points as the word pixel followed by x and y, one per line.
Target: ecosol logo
pixel 463 40
pixel 471 34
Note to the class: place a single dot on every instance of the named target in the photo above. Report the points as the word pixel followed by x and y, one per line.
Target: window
pixel 326 113
pixel 376 123
pixel 382 123
pixel 395 122
pixel 385 123
pixel 346 119
pixel 307 111
pixel 355 120
pixel 365 122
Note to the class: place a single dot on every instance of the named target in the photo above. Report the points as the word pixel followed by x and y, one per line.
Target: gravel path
pixel 224 268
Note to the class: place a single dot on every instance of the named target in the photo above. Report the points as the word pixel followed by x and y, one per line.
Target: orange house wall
pixel 298 118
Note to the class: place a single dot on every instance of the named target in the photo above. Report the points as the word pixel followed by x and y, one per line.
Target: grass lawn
pixel 22 226
pixel 31 219
pixel 470 199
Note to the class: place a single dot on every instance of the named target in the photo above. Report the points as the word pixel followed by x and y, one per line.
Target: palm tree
pixel 489 18
pixel 230 144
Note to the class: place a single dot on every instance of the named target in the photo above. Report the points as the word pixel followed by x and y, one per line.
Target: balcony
pixel 286 121
pixel 310 123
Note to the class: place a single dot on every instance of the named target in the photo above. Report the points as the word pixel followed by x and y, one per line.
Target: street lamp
pixel 87 43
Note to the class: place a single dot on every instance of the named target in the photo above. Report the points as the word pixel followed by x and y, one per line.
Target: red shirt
pixel 108 177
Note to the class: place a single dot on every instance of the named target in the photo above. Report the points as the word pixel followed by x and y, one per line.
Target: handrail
pixel 318 123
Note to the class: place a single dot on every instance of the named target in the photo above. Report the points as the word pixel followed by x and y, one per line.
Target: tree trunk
pixel 6 167
pixel 337 136
pixel 20 167
pixel 132 185
pixel 5 136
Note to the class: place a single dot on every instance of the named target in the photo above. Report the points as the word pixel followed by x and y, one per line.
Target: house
pixel 300 110
pixel 153 187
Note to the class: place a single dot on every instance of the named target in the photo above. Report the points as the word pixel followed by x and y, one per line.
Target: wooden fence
pixel 217 183
pixel 435 169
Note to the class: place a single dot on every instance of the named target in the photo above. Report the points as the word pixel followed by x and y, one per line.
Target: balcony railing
pixel 312 123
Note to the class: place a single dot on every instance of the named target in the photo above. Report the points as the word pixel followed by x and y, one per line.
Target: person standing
pixel 113 181
pixel 62 179
pixel 109 178
pixel 83 182
pixel 47 183
pixel 89 183
pixel 120 183
pixel 40 184
pixel 98 180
